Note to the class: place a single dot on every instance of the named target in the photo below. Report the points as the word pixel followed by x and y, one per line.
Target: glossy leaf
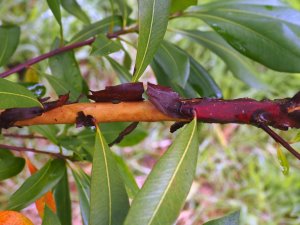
pixel 54 6
pixel 175 62
pixel 72 7
pixel 231 219
pixel 63 200
pixel 277 48
pixel 13 95
pixel 125 10
pixel 121 71
pixel 83 182
pixel 13 218
pixel 180 5
pixel 109 200
pixel 164 192
pixel 234 60
pixel 103 46
pixel 202 82
pixel 153 21
pixel 127 176
pixel 96 28
pixel 198 81
pixel 10 165
pixel 65 67
pixel 9 39
pixel 37 185
pixel 50 218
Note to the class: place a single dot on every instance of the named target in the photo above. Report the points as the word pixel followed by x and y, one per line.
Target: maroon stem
pixel 45 56
pixel 29 136
pixel 23 149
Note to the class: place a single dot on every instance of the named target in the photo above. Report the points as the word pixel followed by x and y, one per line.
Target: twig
pixel 24 149
pixel 61 50
pixel 29 136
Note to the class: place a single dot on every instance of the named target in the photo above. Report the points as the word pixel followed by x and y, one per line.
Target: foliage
pixel 235 30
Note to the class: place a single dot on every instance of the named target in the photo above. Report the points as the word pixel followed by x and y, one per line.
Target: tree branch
pixel 23 149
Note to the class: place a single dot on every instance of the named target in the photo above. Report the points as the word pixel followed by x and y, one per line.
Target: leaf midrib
pixel 20 95
pixel 174 174
pixel 148 42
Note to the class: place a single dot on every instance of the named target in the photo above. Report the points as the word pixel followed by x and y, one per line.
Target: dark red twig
pixel 45 56
pixel 24 149
pixel 29 136
pixel 280 140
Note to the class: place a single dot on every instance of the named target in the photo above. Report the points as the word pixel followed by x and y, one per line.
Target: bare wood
pixel 102 112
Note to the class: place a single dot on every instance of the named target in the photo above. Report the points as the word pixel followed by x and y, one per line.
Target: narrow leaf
pixel 121 71
pixel 234 60
pixel 54 6
pixel 231 219
pixel 153 21
pixel 83 182
pixel 48 131
pixel 72 7
pixel 180 5
pixel 164 192
pixel 13 95
pixel 96 28
pixel 37 185
pixel 50 218
pixel 9 39
pixel 284 163
pixel 175 62
pixel 109 200
pixel 125 10
pixel 127 176
pixel 277 48
pixel 103 46
pixel 65 67
pixel 10 165
pixel 63 200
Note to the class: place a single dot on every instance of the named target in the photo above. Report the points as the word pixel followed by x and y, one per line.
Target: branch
pixel 23 149
pixel 57 51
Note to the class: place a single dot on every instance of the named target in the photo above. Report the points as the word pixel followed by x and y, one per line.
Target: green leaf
pixel 202 82
pixel 121 71
pixel 96 28
pixel 103 46
pixel 63 201
pixel 13 95
pixel 175 62
pixel 109 200
pixel 72 7
pixel 153 21
pixel 166 67
pixel 180 5
pixel 243 25
pixel 231 219
pixel 127 176
pixel 61 87
pixel 125 10
pixel 9 39
pixel 83 182
pixel 50 218
pixel 236 62
pixel 167 186
pixel 37 185
pixel 10 165
pixel 65 67
pixel 54 6
pixel 48 131
pixel 284 163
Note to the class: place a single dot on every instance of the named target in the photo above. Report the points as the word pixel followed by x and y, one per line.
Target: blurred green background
pixel 238 167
